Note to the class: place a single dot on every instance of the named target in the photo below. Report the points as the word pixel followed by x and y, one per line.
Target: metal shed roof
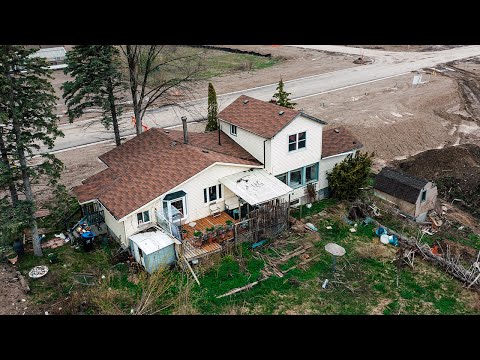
pixel 152 241
pixel 255 186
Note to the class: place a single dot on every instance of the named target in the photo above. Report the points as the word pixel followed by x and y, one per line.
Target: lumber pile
pixel 470 277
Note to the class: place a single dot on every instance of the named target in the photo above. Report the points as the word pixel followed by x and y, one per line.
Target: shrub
pixel 349 176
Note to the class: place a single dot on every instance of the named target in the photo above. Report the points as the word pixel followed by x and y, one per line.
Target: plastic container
pixel 18 247
pixel 87 240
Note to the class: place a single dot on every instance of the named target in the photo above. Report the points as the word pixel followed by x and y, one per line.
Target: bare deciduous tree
pixel 155 71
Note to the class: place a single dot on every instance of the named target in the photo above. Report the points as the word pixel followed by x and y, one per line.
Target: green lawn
pixel 366 280
pixel 367 272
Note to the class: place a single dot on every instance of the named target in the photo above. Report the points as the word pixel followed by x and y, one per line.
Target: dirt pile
pixel 456 171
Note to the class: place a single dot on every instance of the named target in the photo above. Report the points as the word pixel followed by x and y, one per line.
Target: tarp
pixel 256 186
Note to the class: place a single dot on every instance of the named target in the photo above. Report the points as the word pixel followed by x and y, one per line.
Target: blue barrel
pixel 87 240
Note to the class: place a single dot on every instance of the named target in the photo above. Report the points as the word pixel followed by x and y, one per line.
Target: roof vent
pixel 281 112
pixel 245 102
pixel 166 131
pixel 173 143
pixel 354 142
pixel 337 131
pixel 205 151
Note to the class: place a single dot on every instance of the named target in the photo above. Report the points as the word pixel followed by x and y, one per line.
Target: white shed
pixel 153 248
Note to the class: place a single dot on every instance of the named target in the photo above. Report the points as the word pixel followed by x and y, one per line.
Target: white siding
pixel 282 160
pixel 196 208
pixel 268 156
pixel 326 165
pixel 249 141
pixel 115 226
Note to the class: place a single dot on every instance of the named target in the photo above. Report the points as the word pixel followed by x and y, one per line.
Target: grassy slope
pixel 371 275
pixel 367 269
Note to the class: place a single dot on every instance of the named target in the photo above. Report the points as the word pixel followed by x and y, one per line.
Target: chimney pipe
pixel 185 131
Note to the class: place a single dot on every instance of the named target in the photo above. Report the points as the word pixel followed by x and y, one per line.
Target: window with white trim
pixel 143 217
pixel 233 130
pixel 297 141
pixel 212 193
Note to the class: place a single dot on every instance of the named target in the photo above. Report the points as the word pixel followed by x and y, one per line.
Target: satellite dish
pixel 335 249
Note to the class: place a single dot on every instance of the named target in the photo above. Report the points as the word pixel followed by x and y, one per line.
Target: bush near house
pixel 348 177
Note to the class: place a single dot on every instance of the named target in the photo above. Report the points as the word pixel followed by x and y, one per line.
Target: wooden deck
pixel 192 252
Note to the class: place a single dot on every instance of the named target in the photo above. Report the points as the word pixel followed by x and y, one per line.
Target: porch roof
pixel 255 186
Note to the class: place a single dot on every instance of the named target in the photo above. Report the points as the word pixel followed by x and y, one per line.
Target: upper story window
pixel 233 130
pixel 297 141
pixel 143 217
pixel 212 193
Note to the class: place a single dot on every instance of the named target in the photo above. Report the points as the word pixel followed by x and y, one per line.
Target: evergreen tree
pixel 348 176
pixel 97 83
pixel 27 102
pixel 7 175
pixel 212 116
pixel 282 96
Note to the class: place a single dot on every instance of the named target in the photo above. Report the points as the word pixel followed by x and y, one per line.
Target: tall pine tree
pixel 212 116
pixel 97 83
pixel 282 96
pixel 27 102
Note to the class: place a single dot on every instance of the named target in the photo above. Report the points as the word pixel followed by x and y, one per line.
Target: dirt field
pixel 455 169
pixel 296 63
pixel 397 120
pixel 12 293
pixel 403 48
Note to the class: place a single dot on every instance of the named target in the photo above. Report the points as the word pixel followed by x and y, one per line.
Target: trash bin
pixel 87 240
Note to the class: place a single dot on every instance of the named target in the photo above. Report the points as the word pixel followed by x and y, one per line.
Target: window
pixel 302 140
pixel 424 195
pixel 296 178
pixel 292 142
pixel 233 130
pixel 300 177
pixel 212 193
pixel 311 173
pixel 140 252
pixel 282 177
pixel 175 206
pixel 143 217
pixel 297 141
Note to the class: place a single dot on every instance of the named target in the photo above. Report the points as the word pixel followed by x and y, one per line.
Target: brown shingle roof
pixel 145 167
pixel 259 117
pixel 209 141
pixel 94 185
pixel 337 141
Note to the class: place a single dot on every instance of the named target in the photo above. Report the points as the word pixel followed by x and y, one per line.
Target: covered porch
pixel 253 188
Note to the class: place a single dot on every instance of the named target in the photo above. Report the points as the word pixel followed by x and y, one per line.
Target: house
pixel 172 178
pixel 413 196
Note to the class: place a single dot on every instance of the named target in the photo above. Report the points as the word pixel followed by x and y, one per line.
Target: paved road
pixel 385 64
